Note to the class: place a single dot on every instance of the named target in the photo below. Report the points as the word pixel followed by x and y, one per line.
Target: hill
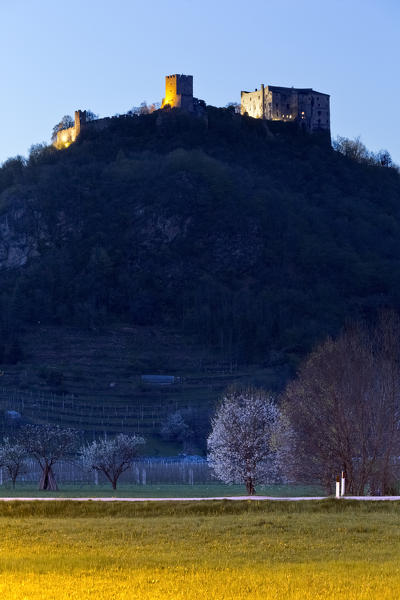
pixel 251 242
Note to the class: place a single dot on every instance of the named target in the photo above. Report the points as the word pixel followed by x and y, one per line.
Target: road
pixel 253 498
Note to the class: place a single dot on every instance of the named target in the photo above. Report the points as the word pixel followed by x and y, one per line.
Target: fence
pixel 137 414
pixel 143 471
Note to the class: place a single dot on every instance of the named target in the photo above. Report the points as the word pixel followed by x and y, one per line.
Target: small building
pixel 304 106
pixel 12 415
pixel 159 379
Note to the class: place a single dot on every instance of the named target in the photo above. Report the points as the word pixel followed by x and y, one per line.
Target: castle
pixel 303 106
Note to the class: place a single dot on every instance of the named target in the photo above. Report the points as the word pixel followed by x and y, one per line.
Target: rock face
pixel 20 233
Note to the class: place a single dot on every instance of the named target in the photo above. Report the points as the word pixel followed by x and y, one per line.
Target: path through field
pixel 254 498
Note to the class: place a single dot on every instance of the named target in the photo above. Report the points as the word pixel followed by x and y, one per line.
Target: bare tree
pixel 66 122
pixel 144 109
pixel 242 445
pixel 344 409
pixel 384 159
pixel 111 457
pixel 48 444
pixel 12 459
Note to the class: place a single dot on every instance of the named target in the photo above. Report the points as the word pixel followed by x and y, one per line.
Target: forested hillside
pixel 254 241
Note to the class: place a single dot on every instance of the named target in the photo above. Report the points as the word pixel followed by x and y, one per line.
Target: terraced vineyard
pixel 92 381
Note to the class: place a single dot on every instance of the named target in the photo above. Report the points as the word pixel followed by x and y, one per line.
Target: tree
pixel 242 446
pixel 66 122
pixel 12 458
pixel 384 159
pixel 234 107
pixel 175 428
pixel 144 109
pixel 48 444
pixel 91 116
pixel 111 457
pixel 344 409
pixel 353 149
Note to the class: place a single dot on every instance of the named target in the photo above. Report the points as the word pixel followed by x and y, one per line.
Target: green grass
pixel 158 491
pixel 200 551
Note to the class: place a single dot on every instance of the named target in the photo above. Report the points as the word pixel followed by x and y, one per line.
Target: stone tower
pixel 179 92
pixel 80 121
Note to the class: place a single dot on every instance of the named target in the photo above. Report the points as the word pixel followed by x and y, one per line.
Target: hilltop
pixel 251 241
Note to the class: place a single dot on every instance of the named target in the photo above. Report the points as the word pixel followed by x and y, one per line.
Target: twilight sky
pixel 109 55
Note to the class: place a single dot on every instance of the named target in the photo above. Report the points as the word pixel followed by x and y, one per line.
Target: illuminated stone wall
pixel 306 107
pixel 179 92
pixel 66 137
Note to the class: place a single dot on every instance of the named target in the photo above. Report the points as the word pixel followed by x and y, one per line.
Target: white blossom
pixel 243 444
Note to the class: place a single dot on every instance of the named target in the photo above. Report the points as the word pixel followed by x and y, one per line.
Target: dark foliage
pixel 251 240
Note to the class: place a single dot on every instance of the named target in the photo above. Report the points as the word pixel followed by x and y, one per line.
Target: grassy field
pixel 203 551
pixel 158 491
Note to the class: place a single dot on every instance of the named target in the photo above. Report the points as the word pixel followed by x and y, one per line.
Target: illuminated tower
pixel 179 92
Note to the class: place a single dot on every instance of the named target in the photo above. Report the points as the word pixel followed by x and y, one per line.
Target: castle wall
pixel 65 138
pixel 308 108
pixel 252 104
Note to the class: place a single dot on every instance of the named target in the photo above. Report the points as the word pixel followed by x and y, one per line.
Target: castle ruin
pixel 66 137
pixel 304 106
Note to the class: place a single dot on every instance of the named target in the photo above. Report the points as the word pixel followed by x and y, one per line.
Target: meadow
pixel 217 550
pixel 161 490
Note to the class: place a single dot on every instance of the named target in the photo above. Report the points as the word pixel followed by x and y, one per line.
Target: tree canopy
pixel 257 240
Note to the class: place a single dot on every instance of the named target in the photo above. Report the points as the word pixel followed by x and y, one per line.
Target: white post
pixel 337 487
pixel 342 484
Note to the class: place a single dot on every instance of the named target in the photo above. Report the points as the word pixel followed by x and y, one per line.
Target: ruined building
pixel 304 106
pixel 66 137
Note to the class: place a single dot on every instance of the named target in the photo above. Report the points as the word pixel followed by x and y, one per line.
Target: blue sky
pixel 110 55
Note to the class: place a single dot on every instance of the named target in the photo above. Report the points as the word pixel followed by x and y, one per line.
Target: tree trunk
pixel 47 481
pixel 250 486
pixel 114 484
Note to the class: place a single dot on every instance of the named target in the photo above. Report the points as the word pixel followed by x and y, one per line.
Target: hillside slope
pixel 256 242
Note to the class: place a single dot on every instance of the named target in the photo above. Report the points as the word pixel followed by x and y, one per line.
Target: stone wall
pixel 66 137
pixel 308 108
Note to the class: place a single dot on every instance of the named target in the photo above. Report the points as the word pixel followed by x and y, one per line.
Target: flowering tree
pixel 12 459
pixel 242 446
pixel 48 444
pixel 111 457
